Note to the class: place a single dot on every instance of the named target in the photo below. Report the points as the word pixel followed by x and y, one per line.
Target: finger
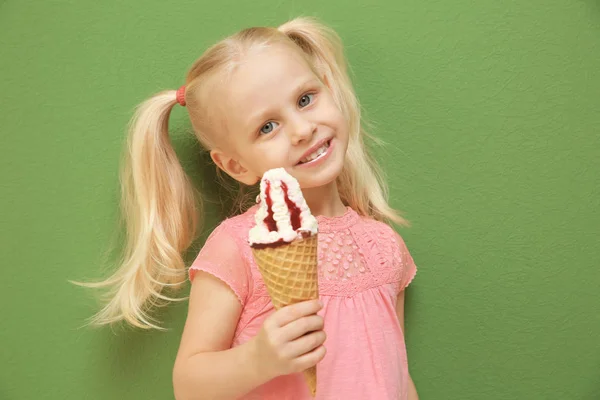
pixel 299 327
pixel 310 359
pixel 304 344
pixel 295 311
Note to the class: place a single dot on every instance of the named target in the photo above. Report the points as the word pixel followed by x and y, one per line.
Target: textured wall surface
pixel 490 110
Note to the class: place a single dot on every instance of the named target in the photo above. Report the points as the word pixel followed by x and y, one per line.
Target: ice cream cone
pixel 310 375
pixel 284 244
pixel 290 275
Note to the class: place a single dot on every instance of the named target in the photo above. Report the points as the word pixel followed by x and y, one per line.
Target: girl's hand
pixel 290 340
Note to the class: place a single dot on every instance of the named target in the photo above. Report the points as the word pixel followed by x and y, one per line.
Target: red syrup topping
pixel 278 243
pixel 269 220
pixel 292 207
pixel 294 210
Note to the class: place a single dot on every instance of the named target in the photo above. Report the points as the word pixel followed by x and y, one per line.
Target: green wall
pixel 490 109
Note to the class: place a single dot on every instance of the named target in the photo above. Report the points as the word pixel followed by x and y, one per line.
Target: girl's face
pixel 279 114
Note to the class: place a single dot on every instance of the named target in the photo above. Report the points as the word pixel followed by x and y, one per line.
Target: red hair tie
pixel 181 95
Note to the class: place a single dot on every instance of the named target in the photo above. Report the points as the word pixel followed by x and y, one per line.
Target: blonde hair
pixel 161 207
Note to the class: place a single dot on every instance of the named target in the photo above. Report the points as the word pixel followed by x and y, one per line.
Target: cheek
pixel 341 124
pixel 273 154
pixel 334 114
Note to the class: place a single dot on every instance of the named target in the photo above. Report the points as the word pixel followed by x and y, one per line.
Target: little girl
pixel 267 98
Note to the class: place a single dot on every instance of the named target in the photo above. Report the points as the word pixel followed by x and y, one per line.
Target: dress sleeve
pixel 222 258
pixel 409 269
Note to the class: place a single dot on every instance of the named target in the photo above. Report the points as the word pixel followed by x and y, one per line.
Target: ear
pixel 233 167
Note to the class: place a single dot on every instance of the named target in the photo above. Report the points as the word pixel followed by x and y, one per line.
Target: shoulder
pixel 382 233
pixel 377 227
pixel 232 231
pixel 235 227
pixel 391 248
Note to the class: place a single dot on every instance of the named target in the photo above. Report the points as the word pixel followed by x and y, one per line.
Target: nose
pixel 301 129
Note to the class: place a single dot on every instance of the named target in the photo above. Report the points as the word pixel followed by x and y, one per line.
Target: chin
pixel 322 175
pixel 320 178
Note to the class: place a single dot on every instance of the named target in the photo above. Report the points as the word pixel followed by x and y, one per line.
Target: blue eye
pixel 305 100
pixel 268 127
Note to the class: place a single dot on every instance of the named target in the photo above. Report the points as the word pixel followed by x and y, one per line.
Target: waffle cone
pixel 290 275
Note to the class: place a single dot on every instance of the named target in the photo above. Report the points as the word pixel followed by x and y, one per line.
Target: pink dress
pixel 363 266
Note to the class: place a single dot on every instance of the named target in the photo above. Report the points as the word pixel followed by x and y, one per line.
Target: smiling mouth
pixel 316 154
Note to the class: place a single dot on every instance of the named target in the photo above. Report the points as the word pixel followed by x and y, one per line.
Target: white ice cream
pixel 260 233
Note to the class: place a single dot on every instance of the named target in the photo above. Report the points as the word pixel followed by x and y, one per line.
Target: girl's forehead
pixel 265 78
pixel 268 66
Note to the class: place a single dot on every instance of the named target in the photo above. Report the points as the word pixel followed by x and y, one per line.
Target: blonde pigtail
pixel 160 211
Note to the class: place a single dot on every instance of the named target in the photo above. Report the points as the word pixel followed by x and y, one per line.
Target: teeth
pixel 321 150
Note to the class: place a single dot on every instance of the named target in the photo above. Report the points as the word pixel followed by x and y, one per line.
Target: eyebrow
pixel 261 115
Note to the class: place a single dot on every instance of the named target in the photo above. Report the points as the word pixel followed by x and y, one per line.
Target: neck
pixel 324 200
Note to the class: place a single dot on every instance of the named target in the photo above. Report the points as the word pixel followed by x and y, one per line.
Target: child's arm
pixel 412 390
pixel 207 368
